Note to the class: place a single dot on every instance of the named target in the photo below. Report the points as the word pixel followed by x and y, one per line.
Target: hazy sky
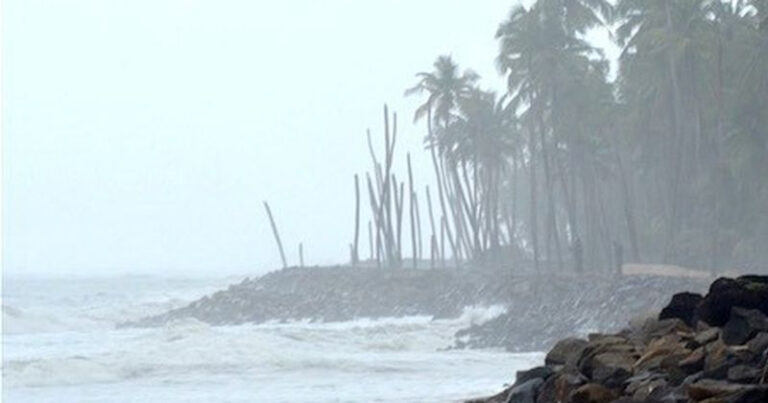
pixel 141 136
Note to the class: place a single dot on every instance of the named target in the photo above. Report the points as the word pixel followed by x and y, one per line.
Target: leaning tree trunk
pixel 276 234
pixel 355 250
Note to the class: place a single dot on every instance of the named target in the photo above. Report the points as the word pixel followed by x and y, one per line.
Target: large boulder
pixel 559 387
pixel 707 389
pixel 742 325
pixel 593 393
pixel 749 292
pixel 525 392
pixel 683 306
pixel 566 352
pixel 534 373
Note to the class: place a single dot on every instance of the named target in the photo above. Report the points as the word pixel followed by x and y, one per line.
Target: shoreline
pixel 540 309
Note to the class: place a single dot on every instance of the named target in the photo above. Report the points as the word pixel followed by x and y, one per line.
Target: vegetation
pixel 666 162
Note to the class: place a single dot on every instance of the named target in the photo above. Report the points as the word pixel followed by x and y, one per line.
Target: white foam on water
pixel 83 359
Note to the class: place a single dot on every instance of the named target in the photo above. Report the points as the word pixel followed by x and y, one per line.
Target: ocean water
pixel 60 344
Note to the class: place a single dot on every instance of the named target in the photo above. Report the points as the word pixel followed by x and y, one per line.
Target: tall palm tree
pixel 445 88
pixel 520 39
pixel 541 52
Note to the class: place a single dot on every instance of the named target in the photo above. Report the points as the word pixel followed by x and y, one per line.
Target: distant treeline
pixel 570 170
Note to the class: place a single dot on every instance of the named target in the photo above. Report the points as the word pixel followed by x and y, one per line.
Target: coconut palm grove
pixel 575 167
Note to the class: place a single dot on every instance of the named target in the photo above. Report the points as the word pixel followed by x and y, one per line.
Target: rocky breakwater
pixel 341 293
pixel 709 348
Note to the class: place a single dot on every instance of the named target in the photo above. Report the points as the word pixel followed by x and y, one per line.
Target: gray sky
pixel 141 136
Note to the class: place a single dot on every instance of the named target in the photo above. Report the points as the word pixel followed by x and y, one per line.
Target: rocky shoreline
pixel 540 309
pixel 709 348
pixel 341 293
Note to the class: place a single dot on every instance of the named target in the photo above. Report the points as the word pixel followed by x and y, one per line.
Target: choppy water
pixel 60 345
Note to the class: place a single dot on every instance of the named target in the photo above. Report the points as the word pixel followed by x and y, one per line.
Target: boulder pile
pixel 709 348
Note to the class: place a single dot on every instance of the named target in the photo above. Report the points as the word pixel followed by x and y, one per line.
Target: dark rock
pixel 743 374
pixel 667 394
pixel 725 293
pixel 557 388
pixel 742 325
pixel 652 329
pixel 500 397
pixel 754 279
pixel 707 388
pixel 694 362
pixel 525 392
pixel 566 352
pixel 593 393
pixel 758 344
pixel 693 378
pixel 757 394
pixel 683 306
pixel 641 386
pixel 534 373
pixel 612 368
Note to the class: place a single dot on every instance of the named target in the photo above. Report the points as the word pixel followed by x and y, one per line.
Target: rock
pixel 566 352
pixel 716 355
pixel 744 374
pixel 657 328
pixel 754 279
pixel 708 388
pixel 593 393
pixel 605 340
pixel 693 378
pixel 667 394
pixel 534 373
pixel 644 389
pixel 612 368
pixel 725 293
pixel 742 325
pixel 659 350
pixel 525 392
pixel 707 336
pixel 683 306
pixel 671 366
pixel 759 343
pixel 757 394
pixel 500 397
pixel 694 362
pixel 557 388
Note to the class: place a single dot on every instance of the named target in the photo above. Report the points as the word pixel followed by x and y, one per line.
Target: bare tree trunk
pixel 439 179
pixel 442 242
pixel 370 240
pixel 418 224
pixel 276 234
pixel 301 254
pixel 412 211
pixel 431 215
pixel 355 254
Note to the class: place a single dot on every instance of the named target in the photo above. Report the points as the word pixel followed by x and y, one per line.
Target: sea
pixel 60 343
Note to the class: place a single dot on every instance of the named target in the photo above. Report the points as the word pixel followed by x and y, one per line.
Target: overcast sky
pixel 141 136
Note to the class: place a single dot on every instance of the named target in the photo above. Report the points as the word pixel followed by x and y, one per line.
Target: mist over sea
pixel 60 345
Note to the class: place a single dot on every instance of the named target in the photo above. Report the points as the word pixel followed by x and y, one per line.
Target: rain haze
pixel 142 136
pixel 394 201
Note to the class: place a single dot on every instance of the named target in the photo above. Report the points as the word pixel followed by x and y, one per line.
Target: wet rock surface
pixel 545 309
pixel 668 358
pixel 540 309
pixel 342 293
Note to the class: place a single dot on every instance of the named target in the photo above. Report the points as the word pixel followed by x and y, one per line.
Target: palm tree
pixel 674 39
pixel 541 53
pixel 445 87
